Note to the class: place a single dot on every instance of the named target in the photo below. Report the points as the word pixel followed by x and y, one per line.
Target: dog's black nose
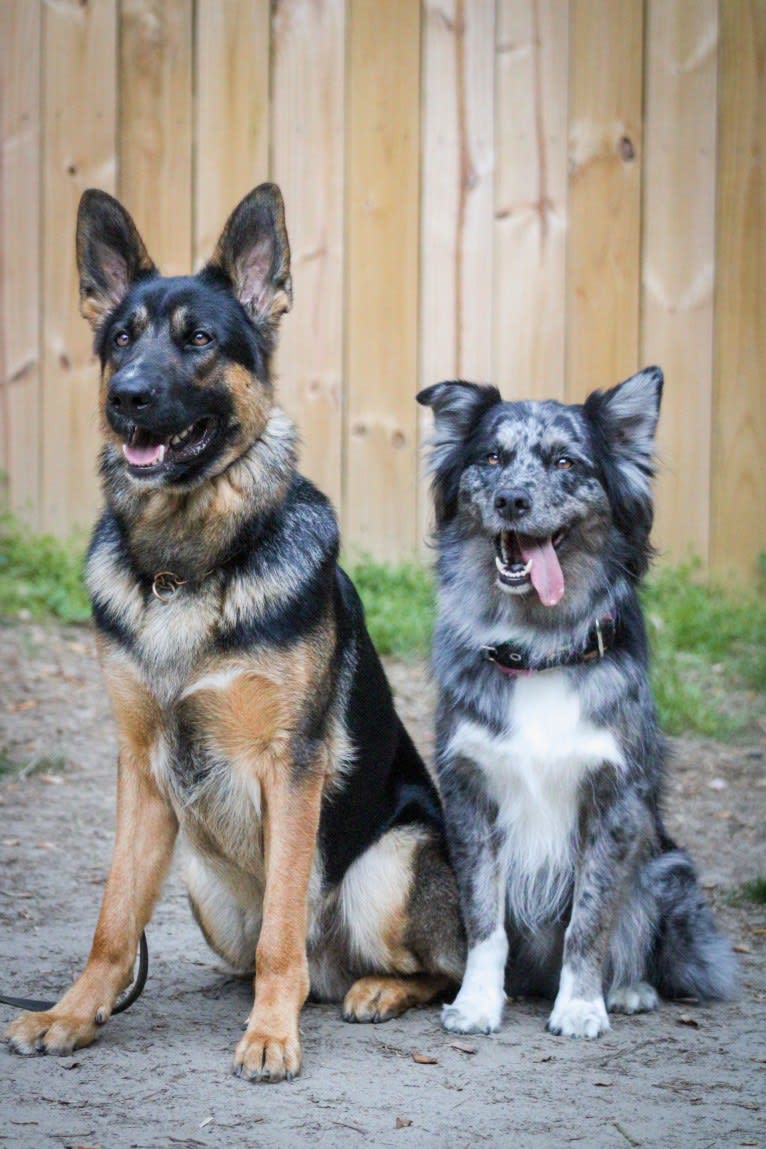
pixel 512 503
pixel 130 396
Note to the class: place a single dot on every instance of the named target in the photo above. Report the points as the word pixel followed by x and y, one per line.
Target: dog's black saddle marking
pixel 601 637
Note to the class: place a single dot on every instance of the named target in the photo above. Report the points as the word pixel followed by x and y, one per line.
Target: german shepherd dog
pixel 253 713
pixel 549 756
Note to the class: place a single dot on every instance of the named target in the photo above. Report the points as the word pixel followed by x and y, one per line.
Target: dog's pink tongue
pixel 546 575
pixel 144 456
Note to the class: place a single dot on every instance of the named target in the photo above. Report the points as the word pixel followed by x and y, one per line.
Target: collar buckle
pixel 491 654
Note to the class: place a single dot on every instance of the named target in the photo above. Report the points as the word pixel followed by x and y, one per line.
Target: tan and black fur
pixel 254 717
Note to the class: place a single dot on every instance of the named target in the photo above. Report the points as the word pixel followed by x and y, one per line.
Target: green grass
pixel 7 764
pixel 708 643
pixel 399 605
pixel 755 891
pixel 40 577
pixel 749 893
pixel 709 653
pixel 39 764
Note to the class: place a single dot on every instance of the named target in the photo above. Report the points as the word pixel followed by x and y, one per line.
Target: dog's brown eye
pixel 564 463
pixel 201 339
pixel 493 458
pixel 122 339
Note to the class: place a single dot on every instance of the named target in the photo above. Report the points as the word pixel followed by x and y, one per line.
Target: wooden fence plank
pixel 678 262
pixel 531 198
pixel 457 197
pixel 308 123
pixel 457 190
pixel 382 276
pixel 155 139
pixel 739 415
pixel 20 27
pixel 231 127
pixel 79 133
pixel 213 99
pixel 603 275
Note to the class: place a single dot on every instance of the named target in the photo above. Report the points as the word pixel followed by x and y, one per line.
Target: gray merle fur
pixel 552 780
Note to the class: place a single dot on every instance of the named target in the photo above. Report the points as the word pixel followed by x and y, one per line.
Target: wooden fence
pixel 542 193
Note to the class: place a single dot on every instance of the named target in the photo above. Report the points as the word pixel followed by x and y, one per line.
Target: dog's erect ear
pixel 110 255
pixel 457 408
pixel 254 255
pixel 626 417
pixel 624 422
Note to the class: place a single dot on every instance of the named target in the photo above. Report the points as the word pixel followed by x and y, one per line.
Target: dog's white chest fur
pixel 533 772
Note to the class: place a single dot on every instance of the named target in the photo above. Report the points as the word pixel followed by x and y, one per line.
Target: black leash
pixel 126 998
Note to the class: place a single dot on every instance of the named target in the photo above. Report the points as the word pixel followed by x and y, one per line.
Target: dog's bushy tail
pixel 689 958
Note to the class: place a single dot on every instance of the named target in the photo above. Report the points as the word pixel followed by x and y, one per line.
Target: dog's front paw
pixel 56 1031
pixel 262 1056
pixel 638 998
pixel 578 1017
pixel 470 1013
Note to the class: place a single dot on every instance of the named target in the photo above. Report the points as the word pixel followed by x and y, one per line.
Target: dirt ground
pixel 159 1074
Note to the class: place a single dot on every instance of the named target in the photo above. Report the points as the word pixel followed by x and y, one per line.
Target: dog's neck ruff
pixel 516 660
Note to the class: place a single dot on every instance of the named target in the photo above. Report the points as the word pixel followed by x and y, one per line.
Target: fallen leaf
pixel 403 1122
pixel 464 1047
pixel 688 1019
pixel 425 1059
pixel 19 707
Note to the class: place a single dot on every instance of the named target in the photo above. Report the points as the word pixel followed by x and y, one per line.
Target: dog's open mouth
pixel 148 453
pixel 524 561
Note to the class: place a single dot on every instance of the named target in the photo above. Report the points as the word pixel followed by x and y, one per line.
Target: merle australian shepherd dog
pixel 254 718
pixel 549 755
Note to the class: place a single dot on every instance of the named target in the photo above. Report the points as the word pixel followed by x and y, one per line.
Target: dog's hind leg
pixel 381 997
pixel 400 914
pixel 637 998
pixel 665 941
